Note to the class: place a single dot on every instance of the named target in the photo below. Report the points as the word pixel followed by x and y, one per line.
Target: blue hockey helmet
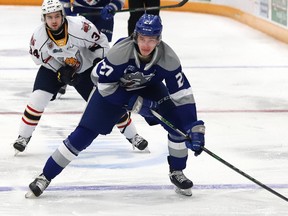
pixel 149 25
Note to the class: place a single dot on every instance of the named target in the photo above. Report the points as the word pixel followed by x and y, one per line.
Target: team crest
pixel 86 27
pixel 134 80
pixel 73 62
pixel 50 45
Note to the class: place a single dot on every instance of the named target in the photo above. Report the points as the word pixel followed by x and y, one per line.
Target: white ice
pixel 239 77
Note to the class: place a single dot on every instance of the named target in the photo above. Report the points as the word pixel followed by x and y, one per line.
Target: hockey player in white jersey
pixel 139 73
pixel 99 12
pixel 67 48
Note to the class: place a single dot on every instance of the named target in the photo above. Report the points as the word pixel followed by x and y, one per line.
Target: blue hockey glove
pixel 197 140
pixel 108 12
pixel 137 104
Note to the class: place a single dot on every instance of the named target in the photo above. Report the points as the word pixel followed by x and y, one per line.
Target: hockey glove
pixel 196 134
pixel 67 75
pixel 108 12
pixel 142 106
pixel 96 61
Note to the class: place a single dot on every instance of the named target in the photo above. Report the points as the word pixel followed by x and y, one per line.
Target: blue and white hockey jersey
pixel 121 74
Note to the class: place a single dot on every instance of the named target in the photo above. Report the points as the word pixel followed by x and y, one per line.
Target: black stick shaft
pixel 157 115
pixel 245 174
pixel 180 4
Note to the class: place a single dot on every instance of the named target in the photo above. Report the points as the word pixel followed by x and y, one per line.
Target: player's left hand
pixel 197 140
pixel 143 106
pixel 67 75
pixel 108 12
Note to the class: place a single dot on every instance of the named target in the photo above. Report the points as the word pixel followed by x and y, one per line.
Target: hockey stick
pixel 180 4
pixel 162 119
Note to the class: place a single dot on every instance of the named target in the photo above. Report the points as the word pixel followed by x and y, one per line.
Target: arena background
pixel 268 16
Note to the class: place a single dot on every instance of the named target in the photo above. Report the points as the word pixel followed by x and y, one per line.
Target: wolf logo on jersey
pixel 134 80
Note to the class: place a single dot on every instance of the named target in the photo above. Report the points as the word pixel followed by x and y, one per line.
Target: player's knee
pixel 125 120
pixel 80 139
pixel 39 99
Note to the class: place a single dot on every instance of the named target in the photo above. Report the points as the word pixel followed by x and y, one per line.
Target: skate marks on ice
pixel 241 96
pixel 145 200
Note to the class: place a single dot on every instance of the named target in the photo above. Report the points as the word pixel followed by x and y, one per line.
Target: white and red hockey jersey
pixel 82 44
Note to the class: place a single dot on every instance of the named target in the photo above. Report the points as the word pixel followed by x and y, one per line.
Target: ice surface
pixel 239 78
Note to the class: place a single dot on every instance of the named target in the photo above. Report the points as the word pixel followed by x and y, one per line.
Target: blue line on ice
pixel 147 187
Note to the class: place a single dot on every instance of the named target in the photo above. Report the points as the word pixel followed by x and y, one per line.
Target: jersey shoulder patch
pixel 121 52
pixel 170 61
pixel 78 25
pixel 39 37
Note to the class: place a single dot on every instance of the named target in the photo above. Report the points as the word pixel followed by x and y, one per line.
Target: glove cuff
pixel 137 104
pixel 198 127
pixel 118 5
pixel 114 6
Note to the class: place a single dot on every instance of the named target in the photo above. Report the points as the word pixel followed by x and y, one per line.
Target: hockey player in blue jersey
pixel 131 77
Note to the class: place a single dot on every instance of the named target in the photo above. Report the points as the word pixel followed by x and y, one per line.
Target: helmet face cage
pixel 50 6
pixel 148 25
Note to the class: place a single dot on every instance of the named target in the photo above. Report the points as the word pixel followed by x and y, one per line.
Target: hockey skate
pixel 182 184
pixel 20 144
pixel 37 187
pixel 139 143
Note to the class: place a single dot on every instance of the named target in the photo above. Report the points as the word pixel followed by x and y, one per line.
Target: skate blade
pixel 58 96
pixel 30 195
pixel 146 150
pixel 185 192
pixel 16 152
